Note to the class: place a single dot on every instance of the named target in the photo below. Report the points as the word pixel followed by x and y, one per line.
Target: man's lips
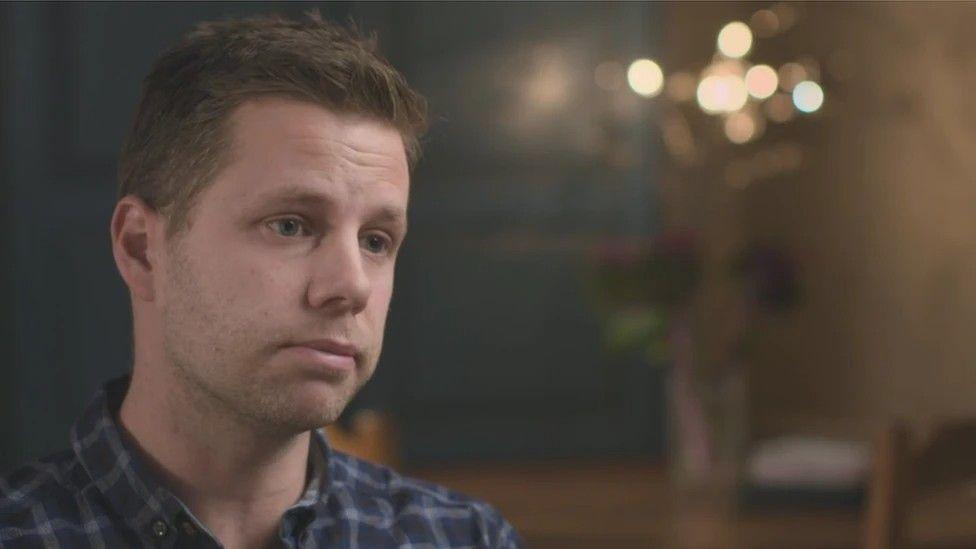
pixel 332 346
pixel 331 355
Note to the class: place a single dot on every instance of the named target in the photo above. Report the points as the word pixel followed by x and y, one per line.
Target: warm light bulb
pixel 722 94
pixel 735 39
pixel 740 128
pixel 808 96
pixel 761 80
pixel 645 77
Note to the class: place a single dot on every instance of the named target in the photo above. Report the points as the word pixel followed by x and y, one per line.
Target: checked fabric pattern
pixel 99 494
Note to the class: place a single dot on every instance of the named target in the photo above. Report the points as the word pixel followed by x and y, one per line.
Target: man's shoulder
pixel 35 495
pixel 368 479
pixel 55 476
pixel 403 499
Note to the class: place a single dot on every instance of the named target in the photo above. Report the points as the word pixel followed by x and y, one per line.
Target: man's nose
pixel 339 279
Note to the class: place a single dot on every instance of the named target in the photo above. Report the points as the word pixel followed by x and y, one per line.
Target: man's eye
pixel 287 226
pixel 377 243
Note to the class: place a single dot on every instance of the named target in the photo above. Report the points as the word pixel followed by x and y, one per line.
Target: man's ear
pixel 133 244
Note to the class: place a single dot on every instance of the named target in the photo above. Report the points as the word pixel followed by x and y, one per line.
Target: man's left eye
pixel 287 226
pixel 377 243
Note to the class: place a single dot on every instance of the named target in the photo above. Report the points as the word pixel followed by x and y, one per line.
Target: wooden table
pixel 629 503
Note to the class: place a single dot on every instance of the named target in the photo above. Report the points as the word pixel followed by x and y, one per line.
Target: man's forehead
pixel 297 151
pixel 313 129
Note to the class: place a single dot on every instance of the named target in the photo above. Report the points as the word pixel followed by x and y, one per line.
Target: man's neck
pixel 236 478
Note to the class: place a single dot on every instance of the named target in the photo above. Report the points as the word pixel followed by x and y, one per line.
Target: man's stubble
pixel 219 351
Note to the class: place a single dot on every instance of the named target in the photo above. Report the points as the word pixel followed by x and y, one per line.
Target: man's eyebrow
pixel 390 214
pixel 291 195
pixel 300 196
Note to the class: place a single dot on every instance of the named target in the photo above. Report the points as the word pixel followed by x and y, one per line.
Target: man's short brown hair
pixel 180 137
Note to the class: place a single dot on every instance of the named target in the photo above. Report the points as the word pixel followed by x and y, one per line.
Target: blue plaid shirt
pixel 99 494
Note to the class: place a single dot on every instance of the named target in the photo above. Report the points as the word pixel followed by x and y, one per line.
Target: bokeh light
pixel 549 87
pixel 779 108
pixel 740 127
pixel 811 66
pixel 722 94
pixel 678 138
pixel 791 74
pixel 725 67
pixel 786 14
pixel 645 77
pixel 764 23
pixel 761 81
pixel 808 96
pixel 735 40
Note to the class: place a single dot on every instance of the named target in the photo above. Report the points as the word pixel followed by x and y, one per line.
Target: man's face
pixel 293 245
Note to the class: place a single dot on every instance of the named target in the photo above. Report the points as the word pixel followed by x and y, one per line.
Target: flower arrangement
pixel 646 294
pixel 641 286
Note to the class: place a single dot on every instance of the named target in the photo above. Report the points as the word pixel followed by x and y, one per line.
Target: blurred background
pixel 678 275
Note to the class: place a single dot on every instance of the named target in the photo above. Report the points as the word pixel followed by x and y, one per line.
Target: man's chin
pixel 311 405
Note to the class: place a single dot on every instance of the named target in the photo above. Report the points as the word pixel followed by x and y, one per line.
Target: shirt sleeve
pixel 497 533
pixel 508 537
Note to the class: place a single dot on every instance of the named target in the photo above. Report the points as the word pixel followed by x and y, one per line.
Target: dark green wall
pixel 493 347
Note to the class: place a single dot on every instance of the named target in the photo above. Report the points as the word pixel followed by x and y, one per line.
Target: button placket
pixel 188 528
pixel 159 529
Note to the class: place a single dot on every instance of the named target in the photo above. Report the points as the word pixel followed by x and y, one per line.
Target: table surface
pixel 629 503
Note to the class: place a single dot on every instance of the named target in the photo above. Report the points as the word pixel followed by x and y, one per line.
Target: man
pixel 263 200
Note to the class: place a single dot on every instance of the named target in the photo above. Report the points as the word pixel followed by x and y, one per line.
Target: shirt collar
pixel 133 491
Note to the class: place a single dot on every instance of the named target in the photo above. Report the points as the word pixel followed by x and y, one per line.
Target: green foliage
pixel 639 330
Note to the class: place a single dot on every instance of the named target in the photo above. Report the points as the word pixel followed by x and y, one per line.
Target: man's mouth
pixel 332 355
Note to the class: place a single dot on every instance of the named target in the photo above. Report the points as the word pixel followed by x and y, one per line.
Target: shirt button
pixel 188 528
pixel 159 529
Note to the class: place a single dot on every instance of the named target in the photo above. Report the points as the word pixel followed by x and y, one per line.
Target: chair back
pixel 906 471
pixel 371 436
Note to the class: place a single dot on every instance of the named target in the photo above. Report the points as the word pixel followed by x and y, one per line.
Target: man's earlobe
pixel 132 246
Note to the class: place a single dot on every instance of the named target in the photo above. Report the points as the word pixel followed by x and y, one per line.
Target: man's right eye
pixel 287 226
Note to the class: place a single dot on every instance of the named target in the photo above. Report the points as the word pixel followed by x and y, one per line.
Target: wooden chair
pixel 905 473
pixel 372 436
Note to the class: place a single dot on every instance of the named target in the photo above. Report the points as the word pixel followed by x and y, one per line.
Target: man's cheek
pixel 272 277
pixel 382 290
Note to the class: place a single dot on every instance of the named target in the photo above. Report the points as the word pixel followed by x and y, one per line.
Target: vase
pixel 706 418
